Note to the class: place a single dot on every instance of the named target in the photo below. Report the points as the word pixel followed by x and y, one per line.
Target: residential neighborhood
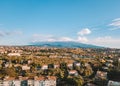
pixel 42 66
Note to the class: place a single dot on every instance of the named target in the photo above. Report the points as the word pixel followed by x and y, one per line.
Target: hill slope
pixel 64 45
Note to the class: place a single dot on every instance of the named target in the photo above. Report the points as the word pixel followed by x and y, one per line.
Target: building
pixel 77 64
pixel 44 67
pixel 119 64
pixel 70 65
pixel 45 81
pixel 101 75
pixel 25 81
pixel 56 65
pixel 25 67
pixel 73 72
pixel 8 81
pixel 17 82
pixel 30 82
pixel 113 83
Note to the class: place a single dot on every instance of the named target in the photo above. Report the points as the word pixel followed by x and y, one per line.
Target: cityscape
pixel 59 42
pixel 46 66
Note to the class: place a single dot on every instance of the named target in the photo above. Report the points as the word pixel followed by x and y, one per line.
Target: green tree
pixel 78 80
pixel 88 71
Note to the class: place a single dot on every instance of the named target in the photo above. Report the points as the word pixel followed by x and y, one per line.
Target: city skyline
pixel 91 22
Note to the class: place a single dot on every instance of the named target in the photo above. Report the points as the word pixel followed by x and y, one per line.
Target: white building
pixel 44 67
pixel 30 82
pixel 25 67
pixel 17 83
pixel 56 66
pixel 49 82
pixel 73 72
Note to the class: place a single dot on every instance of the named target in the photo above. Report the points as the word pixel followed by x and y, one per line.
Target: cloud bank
pixel 106 41
pixel 49 38
pixel 81 37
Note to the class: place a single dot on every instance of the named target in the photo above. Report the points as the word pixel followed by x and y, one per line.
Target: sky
pixel 95 22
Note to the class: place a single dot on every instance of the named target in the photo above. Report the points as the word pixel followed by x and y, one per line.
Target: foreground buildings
pixel 25 81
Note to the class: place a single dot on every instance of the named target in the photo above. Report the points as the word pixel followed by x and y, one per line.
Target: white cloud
pixel 49 38
pixel 17 32
pixel 84 31
pixel 102 39
pixel 41 37
pixel 115 24
pixel 81 35
pixel 107 41
pixel 82 39
pixel 65 39
pixel 117 19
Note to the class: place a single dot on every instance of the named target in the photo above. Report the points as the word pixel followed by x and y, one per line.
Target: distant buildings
pixel 45 81
pixel 14 54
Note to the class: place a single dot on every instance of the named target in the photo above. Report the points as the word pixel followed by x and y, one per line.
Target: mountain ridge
pixel 64 45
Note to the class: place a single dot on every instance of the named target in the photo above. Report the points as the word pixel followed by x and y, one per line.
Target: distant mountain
pixel 64 45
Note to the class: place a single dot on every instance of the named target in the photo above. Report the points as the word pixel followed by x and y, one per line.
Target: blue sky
pixel 87 21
